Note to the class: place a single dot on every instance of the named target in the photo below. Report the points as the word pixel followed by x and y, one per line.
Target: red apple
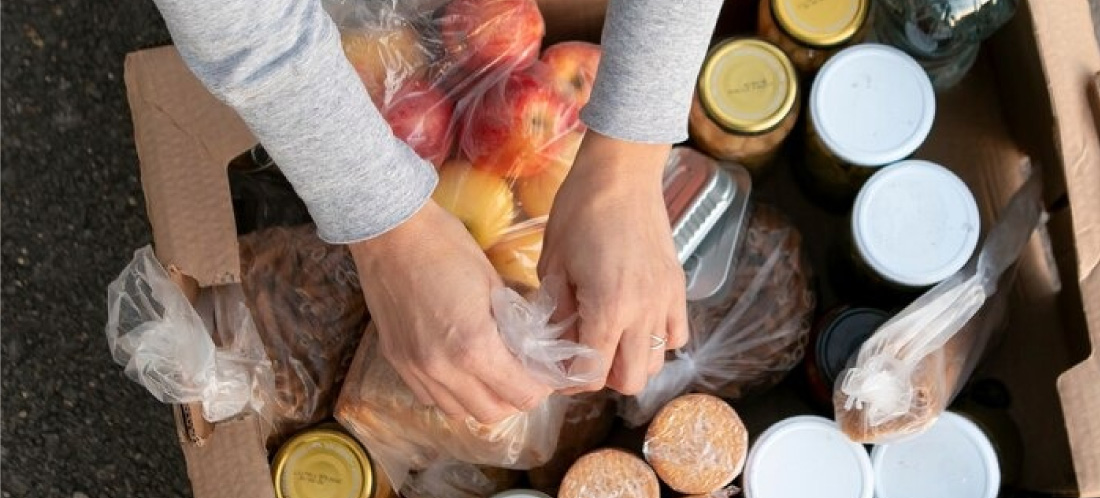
pixel 421 115
pixel 574 65
pixel 487 35
pixel 519 126
pixel 385 57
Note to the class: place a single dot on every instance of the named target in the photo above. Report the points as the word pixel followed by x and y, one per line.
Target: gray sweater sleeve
pixel 280 65
pixel 652 52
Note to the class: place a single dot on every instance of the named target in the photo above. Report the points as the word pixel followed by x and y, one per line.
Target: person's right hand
pixel 428 286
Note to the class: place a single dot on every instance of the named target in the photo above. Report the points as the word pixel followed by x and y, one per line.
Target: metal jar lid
pixel 842 337
pixel 821 23
pixel 323 463
pixel 747 86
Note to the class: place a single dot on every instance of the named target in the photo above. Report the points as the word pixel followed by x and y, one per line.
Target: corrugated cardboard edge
pixel 1070 59
pixel 232 464
pixel 184 140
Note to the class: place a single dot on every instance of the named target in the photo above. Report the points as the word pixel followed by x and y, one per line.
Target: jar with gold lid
pixel 746 102
pixel 327 462
pixel 810 31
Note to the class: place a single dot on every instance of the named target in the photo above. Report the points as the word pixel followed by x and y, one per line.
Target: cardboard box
pixel 1028 96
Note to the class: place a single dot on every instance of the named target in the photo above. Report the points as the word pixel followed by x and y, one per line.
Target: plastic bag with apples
pixel 463 83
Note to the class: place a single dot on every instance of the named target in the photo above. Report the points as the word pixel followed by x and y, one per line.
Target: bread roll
pixel 697 444
pixel 610 473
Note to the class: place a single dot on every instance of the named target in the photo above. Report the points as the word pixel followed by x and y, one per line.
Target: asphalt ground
pixel 72 212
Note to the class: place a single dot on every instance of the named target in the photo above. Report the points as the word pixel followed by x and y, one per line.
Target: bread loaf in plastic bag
pixel 908 372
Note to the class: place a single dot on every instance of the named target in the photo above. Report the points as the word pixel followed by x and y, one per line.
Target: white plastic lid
pixel 872 105
pixel 952 459
pixel 807 456
pixel 915 223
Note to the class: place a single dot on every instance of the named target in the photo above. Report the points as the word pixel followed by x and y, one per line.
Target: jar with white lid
pixel 746 103
pixel 913 224
pixel 869 106
pixel 952 459
pixel 807 456
pixel 811 31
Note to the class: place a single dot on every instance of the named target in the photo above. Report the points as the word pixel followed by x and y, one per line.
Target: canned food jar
pixel 328 463
pixel 811 31
pixel 746 102
pixel 913 224
pixel 871 105
pixel 827 463
pixel 952 459
pixel 835 338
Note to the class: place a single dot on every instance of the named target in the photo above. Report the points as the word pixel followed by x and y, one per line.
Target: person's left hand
pixel 609 237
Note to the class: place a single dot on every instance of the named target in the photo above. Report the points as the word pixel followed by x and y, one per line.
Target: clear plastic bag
pixel 462 82
pixel 406 437
pixel 459 70
pixel 753 337
pixel 309 311
pixel 588 421
pixel 179 356
pixel 907 373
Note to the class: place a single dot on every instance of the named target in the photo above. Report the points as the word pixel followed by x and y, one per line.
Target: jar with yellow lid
pixel 810 31
pixel 746 102
pixel 326 462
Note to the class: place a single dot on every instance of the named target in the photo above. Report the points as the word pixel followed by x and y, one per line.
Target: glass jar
pixel 870 105
pixel 913 224
pixel 810 31
pixel 954 457
pixel 835 338
pixel 326 461
pixel 746 103
pixel 943 35
pixel 806 456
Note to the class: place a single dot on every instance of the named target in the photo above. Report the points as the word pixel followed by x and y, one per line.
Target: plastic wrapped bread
pixel 308 308
pixel 407 438
pixel 696 444
pixel 610 473
pixel 908 372
pixel 587 422
pixel 751 339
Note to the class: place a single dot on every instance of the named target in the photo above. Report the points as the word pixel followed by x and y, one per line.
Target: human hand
pixel 428 287
pixel 609 236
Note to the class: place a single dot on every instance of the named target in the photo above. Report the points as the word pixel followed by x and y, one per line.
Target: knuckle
pixel 434 365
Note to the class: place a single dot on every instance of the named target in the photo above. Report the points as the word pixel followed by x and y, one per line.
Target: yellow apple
pixel 385 57
pixel 481 200
pixel 516 255
pixel 536 193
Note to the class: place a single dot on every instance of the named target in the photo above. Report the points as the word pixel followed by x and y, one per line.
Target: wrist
pixel 608 159
pixel 407 236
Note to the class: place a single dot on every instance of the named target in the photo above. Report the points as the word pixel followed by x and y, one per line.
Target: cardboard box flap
pixel 233 463
pixel 184 139
pixel 1070 59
